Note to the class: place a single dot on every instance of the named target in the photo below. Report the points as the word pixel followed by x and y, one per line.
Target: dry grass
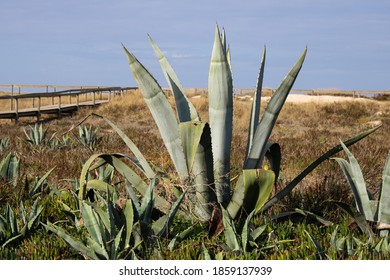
pixel 304 132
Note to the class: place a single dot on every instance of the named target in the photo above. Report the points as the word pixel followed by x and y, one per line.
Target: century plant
pixel 13 229
pixel 109 231
pixel 36 135
pixel 117 233
pixel 9 168
pixel 200 151
pixel 373 210
pixel 4 143
pixel 88 137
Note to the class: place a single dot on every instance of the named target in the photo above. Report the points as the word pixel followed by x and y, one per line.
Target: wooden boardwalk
pixel 35 104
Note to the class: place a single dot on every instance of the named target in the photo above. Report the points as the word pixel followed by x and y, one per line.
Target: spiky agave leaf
pixel 384 199
pixel 290 186
pixel 185 109
pixel 255 111
pixel 133 148
pixel 162 113
pixel 257 151
pixel 252 191
pixel 220 87
pixel 9 168
pixel 93 225
pixel 203 175
pixel 190 134
pixel 129 221
pixel 162 225
pixel 132 177
pixel 230 231
pixel 71 241
pixel 356 181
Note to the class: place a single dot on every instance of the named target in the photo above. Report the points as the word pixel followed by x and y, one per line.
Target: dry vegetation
pixel 304 131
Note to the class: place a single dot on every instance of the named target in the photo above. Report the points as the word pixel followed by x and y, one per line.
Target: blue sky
pixel 79 42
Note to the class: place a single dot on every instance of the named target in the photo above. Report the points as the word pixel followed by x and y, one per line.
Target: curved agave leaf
pixel 185 109
pixel 100 251
pixel 9 168
pixel 162 112
pixel 220 87
pixel 355 178
pixel 134 149
pixel 255 111
pixel 264 129
pixel 357 216
pixel 92 224
pixel 121 167
pixel 131 176
pixel 99 185
pixel 290 186
pixel 162 225
pixel 129 221
pixel 245 235
pixel 320 252
pixel 230 231
pixel 252 191
pixel 203 174
pixel 384 199
pixel 73 242
pixel 148 202
pixel 190 135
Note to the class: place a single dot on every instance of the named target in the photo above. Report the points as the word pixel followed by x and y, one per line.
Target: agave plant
pixel 377 211
pixel 9 168
pixel 88 137
pixel 36 135
pixel 115 233
pixel 12 228
pixel 4 143
pixel 200 151
pixel 249 234
pixel 108 232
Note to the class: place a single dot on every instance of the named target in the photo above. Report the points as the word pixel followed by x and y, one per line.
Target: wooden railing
pixel 55 101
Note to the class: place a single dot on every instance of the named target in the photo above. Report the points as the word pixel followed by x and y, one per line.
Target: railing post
pixel 59 106
pixel 39 109
pixel 17 110
pixel 78 98
pixel 12 95
pixel 52 98
pixel 94 98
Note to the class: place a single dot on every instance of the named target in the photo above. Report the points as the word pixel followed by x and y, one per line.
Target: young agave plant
pixel 36 135
pixel 9 168
pixel 13 229
pixel 373 210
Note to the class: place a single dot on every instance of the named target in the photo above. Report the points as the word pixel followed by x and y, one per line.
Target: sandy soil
pixel 301 98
